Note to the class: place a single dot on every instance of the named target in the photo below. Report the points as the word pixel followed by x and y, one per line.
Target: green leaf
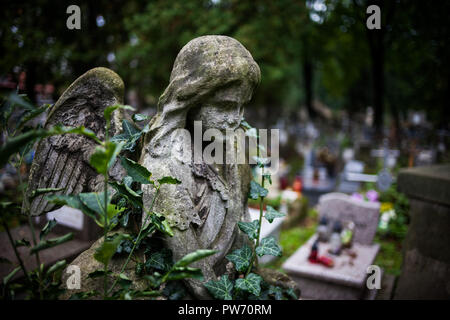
pixel 160 260
pixel 47 228
pixel 95 201
pixel 268 177
pixel 84 295
pixel 124 191
pixel 174 290
pixel 169 180
pixel 160 223
pixel 22 243
pixel 103 157
pixel 221 289
pixel 250 228
pixel 179 273
pixel 105 252
pixel 251 283
pixel 268 246
pixel 73 202
pixel 277 292
pixel 256 190
pixel 56 267
pixel 291 293
pixel 29 115
pixel 194 256
pixel 10 276
pixel 38 192
pixel 110 109
pixel 271 214
pixel 136 171
pixel 138 117
pixel 51 243
pixel 241 258
pixel 129 129
pixel 98 273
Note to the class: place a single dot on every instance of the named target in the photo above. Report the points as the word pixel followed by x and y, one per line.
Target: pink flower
pixel 372 195
pixel 357 196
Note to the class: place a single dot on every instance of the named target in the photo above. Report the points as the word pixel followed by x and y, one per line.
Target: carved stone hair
pixel 203 66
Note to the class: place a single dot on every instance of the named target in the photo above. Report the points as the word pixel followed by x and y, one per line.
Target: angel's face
pixel 225 108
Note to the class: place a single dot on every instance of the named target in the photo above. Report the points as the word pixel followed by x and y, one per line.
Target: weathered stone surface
pixel 212 78
pixel 63 161
pixel 87 264
pixel 339 206
pixel 276 278
pixel 426 257
pixel 431 183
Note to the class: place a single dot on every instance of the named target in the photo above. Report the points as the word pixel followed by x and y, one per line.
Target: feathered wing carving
pixel 63 161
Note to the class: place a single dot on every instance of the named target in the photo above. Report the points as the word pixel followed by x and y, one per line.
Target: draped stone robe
pixel 203 210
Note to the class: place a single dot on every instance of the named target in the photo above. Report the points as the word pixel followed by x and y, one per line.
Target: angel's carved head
pixel 213 77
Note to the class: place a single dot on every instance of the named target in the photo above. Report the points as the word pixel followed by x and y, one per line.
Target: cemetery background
pixel 335 90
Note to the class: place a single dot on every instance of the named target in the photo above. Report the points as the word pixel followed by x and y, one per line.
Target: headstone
pixel 347 278
pixel 365 214
pixel 426 255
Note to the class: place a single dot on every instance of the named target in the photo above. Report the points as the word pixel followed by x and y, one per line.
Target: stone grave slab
pixel 346 280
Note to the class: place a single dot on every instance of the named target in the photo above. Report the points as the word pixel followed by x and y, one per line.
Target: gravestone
pixel 426 255
pixel 347 278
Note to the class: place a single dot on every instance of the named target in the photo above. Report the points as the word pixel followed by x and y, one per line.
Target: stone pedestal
pixel 426 256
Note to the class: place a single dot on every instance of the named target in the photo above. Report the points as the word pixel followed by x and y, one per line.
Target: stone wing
pixel 63 161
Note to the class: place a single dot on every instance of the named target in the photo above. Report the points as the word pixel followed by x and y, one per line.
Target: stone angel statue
pixel 213 77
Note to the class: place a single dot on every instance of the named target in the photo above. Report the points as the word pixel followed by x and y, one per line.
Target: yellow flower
pixel 386 206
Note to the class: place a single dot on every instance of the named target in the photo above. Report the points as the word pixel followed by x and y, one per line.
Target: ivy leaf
pixel 241 258
pixel 251 283
pixel 47 228
pixel 250 228
pixel 194 256
pixel 168 180
pixel 271 214
pixel 174 290
pixel 104 156
pixel 50 243
pixel 277 292
pixel 83 295
pixel 256 190
pixel 105 252
pixel 160 260
pixel 268 246
pixel 291 293
pixel 136 171
pixel 220 289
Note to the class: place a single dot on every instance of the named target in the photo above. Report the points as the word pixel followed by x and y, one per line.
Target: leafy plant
pixel 109 208
pixel 250 285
